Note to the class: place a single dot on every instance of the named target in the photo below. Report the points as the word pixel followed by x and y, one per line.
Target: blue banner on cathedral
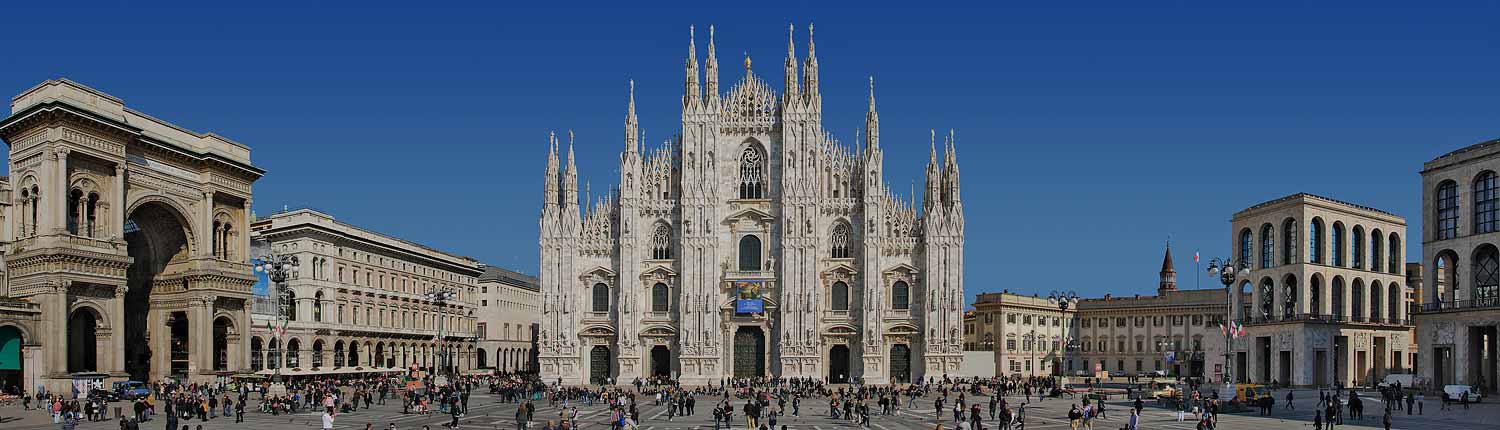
pixel 748 306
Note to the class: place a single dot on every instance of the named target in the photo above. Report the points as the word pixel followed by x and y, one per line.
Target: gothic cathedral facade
pixel 751 245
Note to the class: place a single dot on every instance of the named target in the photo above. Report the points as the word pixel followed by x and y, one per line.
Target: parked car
pixel 1080 373
pixel 103 394
pixel 1456 392
pixel 130 390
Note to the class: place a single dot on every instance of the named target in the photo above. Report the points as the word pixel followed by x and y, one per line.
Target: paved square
pixel 487 413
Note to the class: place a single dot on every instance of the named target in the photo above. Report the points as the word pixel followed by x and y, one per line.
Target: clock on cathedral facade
pixel 751 245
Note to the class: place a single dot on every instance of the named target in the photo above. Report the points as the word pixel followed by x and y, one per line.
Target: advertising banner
pixel 748 297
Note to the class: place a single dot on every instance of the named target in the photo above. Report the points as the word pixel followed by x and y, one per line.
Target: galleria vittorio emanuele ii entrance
pixel 129 251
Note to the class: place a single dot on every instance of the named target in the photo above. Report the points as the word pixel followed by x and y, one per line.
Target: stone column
pixel 205 229
pixel 54 197
pixel 160 321
pixel 242 241
pixel 244 326
pixel 117 331
pixel 119 205
pixel 57 305
pixel 200 331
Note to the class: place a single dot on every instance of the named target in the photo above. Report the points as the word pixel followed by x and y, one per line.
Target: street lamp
pixel 1031 342
pixel 1228 271
pixel 1063 300
pixel 440 297
pixel 278 268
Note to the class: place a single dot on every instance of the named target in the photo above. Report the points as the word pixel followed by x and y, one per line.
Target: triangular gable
pixel 903 267
pixel 750 213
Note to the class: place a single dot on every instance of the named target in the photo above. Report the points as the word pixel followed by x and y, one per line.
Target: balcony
pixel 1460 305
pixel 1327 319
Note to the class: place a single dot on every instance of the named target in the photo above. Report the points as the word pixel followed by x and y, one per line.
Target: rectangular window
pixel 1087 322
pixel 1138 365
pixel 480 330
pixel 1026 319
pixel 1028 365
pixel 1010 344
pixel 1447 211
pixel 1197 319
pixel 1122 346
pixel 1119 321
pixel 1140 345
pixel 1010 318
pixel 989 318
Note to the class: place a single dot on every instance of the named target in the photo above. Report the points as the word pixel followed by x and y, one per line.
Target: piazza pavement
pixel 487 413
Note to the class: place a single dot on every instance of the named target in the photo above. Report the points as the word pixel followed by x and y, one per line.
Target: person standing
pixel 1289 400
pixel 328 418
pixel 1135 420
pixel 521 417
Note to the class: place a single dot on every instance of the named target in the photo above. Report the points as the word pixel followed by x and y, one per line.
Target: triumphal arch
pixel 129 239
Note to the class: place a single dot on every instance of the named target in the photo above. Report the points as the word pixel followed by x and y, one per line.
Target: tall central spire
pixel 872 122
pixel 810 70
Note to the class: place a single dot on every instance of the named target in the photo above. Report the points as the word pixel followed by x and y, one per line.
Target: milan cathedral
pixel 751 244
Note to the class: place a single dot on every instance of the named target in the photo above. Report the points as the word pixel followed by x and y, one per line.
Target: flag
pixel 1223 330
pixel 1195 256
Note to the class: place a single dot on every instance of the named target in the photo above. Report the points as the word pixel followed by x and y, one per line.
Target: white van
pixel 1407 380
pixel 1456 392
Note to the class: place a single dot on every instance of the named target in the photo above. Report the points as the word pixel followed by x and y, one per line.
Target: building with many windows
pixel 507 315
pixel 360 303
pixel 1175 332
pixel 1328 300
pixel 1459 320
pixel 753 244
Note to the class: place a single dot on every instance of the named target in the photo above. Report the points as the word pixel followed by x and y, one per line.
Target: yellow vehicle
pixel 1166 391
pixel 1250 392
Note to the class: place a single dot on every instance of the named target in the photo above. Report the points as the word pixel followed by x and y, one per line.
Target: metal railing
pixel 1479 303
pixel 1326 318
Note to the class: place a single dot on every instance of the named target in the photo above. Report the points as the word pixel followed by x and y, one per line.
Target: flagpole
pixel 1198 278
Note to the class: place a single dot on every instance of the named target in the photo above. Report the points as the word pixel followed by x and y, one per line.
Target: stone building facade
pixel 1459 321
pixel 1027 334
pixel 752 244
pixel 1327 292
pixel 359 301
pixel 508 315
pixel 125 251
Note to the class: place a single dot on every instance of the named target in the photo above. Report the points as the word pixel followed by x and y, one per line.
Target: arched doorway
pixel 353 354
pixel 598 364
pixel 483 363
pixel 749 352
pixel 83 346
pixel 257 358
pixel 156 236
pixel 661 361
pixel 180 347
pixel 221 343
pixel 900 364
pixel 12 368
pixel 838 364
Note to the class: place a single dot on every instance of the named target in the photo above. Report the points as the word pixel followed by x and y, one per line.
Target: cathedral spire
pixel 950 169
pixel 570 178
pixel 691 93
pixel 933 195
pixel 791 62
pixel 711 68
pixel 632 125
pixel 872 123
pixel 551 190
pixel 810 70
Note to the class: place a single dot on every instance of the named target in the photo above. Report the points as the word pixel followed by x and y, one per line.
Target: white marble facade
pixel 642 281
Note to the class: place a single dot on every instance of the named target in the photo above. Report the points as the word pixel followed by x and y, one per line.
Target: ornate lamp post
pixel 1063 300
pixel 278 268
pixel 440 297
pixel 1228 272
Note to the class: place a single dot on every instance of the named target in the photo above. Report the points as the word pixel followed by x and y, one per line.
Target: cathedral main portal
pixel 749 352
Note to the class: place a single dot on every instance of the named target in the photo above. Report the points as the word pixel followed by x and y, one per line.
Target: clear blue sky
pixel 1087 134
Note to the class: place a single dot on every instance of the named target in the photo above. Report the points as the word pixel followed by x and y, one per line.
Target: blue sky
pixel 1088 133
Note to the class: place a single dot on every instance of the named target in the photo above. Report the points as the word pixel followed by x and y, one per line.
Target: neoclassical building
pixel 1174 331
pixel 1328 300
pixel 508 315
pixel 360 301
pixel 125 255
pixel 1459 320
pixel 752 244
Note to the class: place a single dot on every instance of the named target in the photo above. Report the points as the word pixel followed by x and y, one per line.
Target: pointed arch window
pixel 661 243
pixel 840 296
pixel 1267 246
pixel 1447 210
pixel 839 240
pixel 660 298
pixel 601 297
pixel 1486 204
pixel 901 296
pixel 752 173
